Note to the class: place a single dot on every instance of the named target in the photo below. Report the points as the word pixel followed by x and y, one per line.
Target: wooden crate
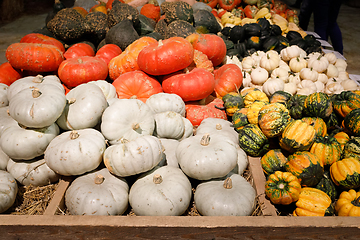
pixel 268 226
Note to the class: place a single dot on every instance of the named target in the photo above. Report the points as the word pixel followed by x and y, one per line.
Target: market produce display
pixel 166 100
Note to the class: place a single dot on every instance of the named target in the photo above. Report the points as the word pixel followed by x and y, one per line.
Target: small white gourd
pixel 285 65
pixel 259 75
pixel 163 102
pixel 349 85
pixel 169 124
pixel 290 87
pixel 248 63
pixel 8 190
pixel 233 196
pixel 307 84
pixel 165 191
pixel 107 88
pixel 35 172
pixel 333 88
pixel 290 52
pixel 217 125
pixel 319 86
pixel 331 57
pixel 319 64
pixel 272 85
pixel 341 64
pixel 332 71
pixel 270 61
pixel 296 64
pixel 343 75
pixel 246 79
pixel 309 74
pixel 97 193
pixel 322 77
pixel 280 73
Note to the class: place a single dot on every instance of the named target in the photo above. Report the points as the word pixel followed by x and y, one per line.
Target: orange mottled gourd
pixel 273 118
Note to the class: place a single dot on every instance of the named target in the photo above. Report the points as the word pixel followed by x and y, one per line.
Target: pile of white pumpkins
pixel 102 141
pixel 296 72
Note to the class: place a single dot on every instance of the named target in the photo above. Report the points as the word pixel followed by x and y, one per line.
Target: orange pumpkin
pixel 136 84
pixel 228 78
pixel 127 60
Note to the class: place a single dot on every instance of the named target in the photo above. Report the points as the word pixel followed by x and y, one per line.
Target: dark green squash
pixel 179 28
pixel 253 141
pixel 155 35
pixel 296 106
pixel 270 43
pixel 280 97
pixel 328 186
pixel 237 34
pixel 122 34
pixel 253 42
pixel 179 10
pixel 68 25
pixel 205 22
pixel 352 122
pixel 272 161
pixel 121 11
pixel 352 148
pixel 240 119
pixel 233 101
pixel 161 27
pixel 290 35
pixel 263 23
pixel 275 30
pixel 226 31
pixel 146 25
pixel 318 104
pixel 252 29
pixel 345 102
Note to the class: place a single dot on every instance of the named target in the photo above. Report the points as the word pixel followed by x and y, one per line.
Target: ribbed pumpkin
pixel 282 188
pixel 352 148
pixel 253 111
pixel 327 149
pixel 328 186
pixel 306 166
pixel 318 104
pixel 318 123
pixel 352 122
pixel 253 141
pixel 273 118
pixel 297 136
pixel 313 202
pixel 272 161
pixel 342 137
pixel 280 97
pixel 255 95
pixel 233 101
pixel 348 204
pixel 345 102
pixel 240 119
pixel 346 173
pixel 296 106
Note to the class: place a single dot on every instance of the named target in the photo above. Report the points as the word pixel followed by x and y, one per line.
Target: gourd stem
pixel 281 186
pixel 356 202
pixel 99 179
pixel 218 126
pixel 157 179
pixel 133 97
pixel 36 93
pixel 227 183
pixel 38 79
pixel 160 43
pixel 135 126
pixel 74 135
pixel 72 100
pixel 80 60
pixel 205 140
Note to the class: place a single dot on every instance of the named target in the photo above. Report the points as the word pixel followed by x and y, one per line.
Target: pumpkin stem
pixel 356 202
pixel 160 43
pixel 133 97
pixel 135 126
pixel 80 60
pixel 218 126
pixel 99 179
pixel 74 135
pixel 228 183
pixel 157 179
pixel 36 93
pixel 281 186
pixel 205 140
pixel 38 79
pixel 71 100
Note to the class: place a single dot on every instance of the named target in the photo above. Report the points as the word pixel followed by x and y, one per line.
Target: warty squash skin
pixel 318 105
pixel 253 140
pixel 272 161
pixel 345 102
pixel 352 148
pixel 352 123
pixel 273 118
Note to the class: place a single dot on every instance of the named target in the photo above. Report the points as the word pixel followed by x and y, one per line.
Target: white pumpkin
pixel 272 85
pixel 207 156
pixel 257 57
pixel 290 87
pixel 127 118
pixel 294 78
pixel 170 146
pixel 343 75
pixel 233 196
pixel 165 191
pixel 217 125
pixel 322 77
pixel 3 95
pixel 332 71
pixel 280 73
pixel 75 152
pixel 128 158
pixel 341 64
pixel 163 102
pixel 5 119
pixel 333 88
pixel 97 193
pixel 307 84
pixel 86 103
pixel 242 162
pixel 319 64
pixel 309 74
pixel 259 75
pixel 169 125
pixel 246 79
pixel 107 88
pixel 232 59
pixel 270 61
pixel 290 52
pixel 26 143
pixel 35 172
pixel 284 65
pixel 248 63
pixel 314 55
pixel 349 85
pixel 319 86
pixel 331 57
pixel 33 82
pixel 38 107
pixel 296 64
pixel 189 129
pixel 8 190
pixel 4 159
